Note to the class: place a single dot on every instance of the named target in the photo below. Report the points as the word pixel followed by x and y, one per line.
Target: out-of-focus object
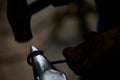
pixel 97 57
pixel 19 15
pixel 42 68
pixel 19 19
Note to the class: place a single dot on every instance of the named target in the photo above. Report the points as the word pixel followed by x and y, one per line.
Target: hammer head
pixel 19 19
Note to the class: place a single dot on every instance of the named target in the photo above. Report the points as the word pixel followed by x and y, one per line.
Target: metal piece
pixel 42 68
pixel 33 48
pixel 59 61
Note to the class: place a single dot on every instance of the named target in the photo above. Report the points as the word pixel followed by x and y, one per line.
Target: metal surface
pixel 43 69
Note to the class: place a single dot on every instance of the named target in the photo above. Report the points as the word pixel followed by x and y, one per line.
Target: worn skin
pixel 97 58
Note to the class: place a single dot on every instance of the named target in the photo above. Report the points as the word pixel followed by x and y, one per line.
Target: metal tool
pixel 42 67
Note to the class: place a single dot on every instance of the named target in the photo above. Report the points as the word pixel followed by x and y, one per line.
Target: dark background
pixel 13 64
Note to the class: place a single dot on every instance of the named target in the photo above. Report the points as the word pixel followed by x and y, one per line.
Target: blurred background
pixel 53 28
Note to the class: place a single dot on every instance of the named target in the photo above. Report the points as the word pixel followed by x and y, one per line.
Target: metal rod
pixel 59 61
